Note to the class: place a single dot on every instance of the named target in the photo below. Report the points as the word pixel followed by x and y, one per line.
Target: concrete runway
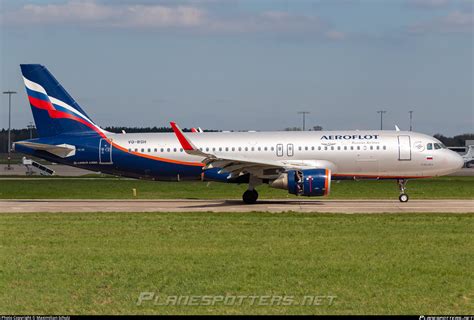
pixel 332 206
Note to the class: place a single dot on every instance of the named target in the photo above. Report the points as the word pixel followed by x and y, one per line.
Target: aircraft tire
pixel 250 196
pixel 403 197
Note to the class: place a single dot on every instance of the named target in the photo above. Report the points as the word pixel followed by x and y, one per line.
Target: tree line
pixel 24 134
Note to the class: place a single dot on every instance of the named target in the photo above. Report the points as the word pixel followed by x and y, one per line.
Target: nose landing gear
pixel 402 185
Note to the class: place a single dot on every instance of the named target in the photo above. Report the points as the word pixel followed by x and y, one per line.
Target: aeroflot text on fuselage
pixel 350 137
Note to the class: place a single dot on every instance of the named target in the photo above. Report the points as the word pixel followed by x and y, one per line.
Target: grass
pixel 95 263
pixel 115 188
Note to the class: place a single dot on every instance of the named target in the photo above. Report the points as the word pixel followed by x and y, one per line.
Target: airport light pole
pixel 381 118
pixel 30 127
pixel 411 117
pixel 9 124
pixel 304 113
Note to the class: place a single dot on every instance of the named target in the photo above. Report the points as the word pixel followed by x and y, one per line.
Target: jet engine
pixel 309 182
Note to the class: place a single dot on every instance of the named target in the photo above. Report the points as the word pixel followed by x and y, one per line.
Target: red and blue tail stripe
pixel 54 110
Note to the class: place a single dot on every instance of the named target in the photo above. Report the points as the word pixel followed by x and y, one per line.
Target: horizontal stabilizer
pixel 60 150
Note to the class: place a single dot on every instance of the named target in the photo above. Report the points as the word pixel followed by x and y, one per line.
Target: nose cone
pixel 456 162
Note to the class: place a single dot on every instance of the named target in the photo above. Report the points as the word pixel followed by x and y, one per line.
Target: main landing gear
pixel 250 196
pixel 402 185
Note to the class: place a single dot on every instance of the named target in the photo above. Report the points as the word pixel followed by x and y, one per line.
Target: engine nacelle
pixel 310 182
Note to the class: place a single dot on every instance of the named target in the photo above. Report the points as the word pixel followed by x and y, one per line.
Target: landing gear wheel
pixel 403 197
pixel 250 196
pixel 402 187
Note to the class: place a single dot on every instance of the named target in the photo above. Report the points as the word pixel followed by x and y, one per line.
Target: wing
pixel 237 166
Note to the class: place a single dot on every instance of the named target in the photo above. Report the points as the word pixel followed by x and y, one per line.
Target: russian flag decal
pixel 429 157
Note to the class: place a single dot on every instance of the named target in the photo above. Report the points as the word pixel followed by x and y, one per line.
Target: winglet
pixel 397 128
pixel 185 143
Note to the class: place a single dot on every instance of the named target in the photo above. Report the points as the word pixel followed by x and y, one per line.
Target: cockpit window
pixel 437 146
pixel 429 146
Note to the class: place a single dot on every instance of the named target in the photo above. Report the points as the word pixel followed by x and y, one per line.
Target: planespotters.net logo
pixel 155 299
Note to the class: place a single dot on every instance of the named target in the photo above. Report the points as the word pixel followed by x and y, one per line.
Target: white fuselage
pixel 373 154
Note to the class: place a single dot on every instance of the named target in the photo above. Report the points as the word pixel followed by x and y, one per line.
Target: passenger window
pixel 226 148
pixel 385 147
pixel 143 150
pixel 299 148
pixel 253 149
pixel 325 147
pixel 149 150
pixel 429 146
pixel 338 147
pixel 352 147
pixel 233 148
pixel 371 147
pixel 162 150
pixel 129 150
pixel 168 149
pixel 246 149
pixel 214 149
pixel 240 148
pixel 273 148
pixel 156 150
pixel 358 147
pixel 259 149
pixel 345 147
pixel 174 150
pixel 136 150
pixel 265 148
pixel 319 147
pixel 332 147
pixel 220 148
pixel 180 149
pixel 312 148
pixel 378 147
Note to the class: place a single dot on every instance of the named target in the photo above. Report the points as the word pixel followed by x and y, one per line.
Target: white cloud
pixel 161 16
pixel 454 22
pixel 90 12
pixel 335 35
pixel 277 22
pixel 193 17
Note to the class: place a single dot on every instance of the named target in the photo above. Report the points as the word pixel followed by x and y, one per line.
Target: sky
pixel 248 65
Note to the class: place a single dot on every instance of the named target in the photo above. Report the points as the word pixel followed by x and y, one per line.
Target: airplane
pixel 304 163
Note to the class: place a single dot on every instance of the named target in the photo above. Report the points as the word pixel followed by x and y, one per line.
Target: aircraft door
pixel 105 152
pixel 279 150
pixel 404 148
pixel 289 150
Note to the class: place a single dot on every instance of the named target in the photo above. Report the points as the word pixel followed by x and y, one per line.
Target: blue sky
pixel 249 65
